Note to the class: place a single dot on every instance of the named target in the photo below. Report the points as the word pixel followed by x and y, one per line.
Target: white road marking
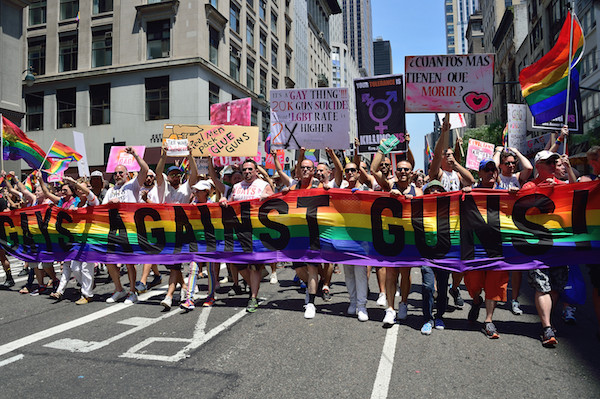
pixel 200 337
pixel 77 345
pixel 11 360
pixel 110 309
pixel 386 362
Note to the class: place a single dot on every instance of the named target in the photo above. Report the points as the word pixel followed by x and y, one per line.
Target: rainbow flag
pixel 59 165
pixel 505 136
pixel 310 154
pixel 268 144
pixel 61 156
pixel 185 166
pixel 29 182
pixel 428 150
pixel 544 83
pixel 18 146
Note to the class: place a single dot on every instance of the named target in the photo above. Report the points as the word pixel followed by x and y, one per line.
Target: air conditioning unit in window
pixel 107 35
pixel 321 35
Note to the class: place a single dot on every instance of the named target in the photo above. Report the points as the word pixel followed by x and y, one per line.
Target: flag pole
pixel 566 120
pixel 46 156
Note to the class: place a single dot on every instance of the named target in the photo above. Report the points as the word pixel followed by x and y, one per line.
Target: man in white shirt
pixel 125 190
pixel 173 192
pixel 250 188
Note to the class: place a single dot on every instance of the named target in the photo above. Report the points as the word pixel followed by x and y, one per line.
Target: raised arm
pixel 268 179
pixel 297 172
pixel 160 167
pixel 284 177
pixel 339 169
pixel 141 177
pixel 526 167
pixel 564 135
pixel 219 186
pixel 47 193
pixel 496 158
pixel 458 150
pixel 375 172
pixel 440 147
pixel 466 178
pixel 193 168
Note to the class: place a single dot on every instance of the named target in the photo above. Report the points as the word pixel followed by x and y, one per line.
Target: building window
pixel 450 19
pixel 213 94
pixel 157 98
pixel 274 49
pixel 274 83
pixel 288 65
pixel 250 32
pixel 36 54
pixel 250 74
pixel 263 82
pixel 101 6
pixel 34 104
pixel 101 48
pixel 234 17
pixel 250 4
pixel 159 39
pixel 254 117
pixel 67 49
pixel 215 3
pixel 273 22
pixel 100 104
pixel 65 99
pixel 263 44
pixel 213 40
pixel 262 9
pixel 234 64
pixel 68 9
pixel 37 12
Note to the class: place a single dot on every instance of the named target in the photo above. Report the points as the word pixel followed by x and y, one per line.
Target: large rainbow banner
pixel 484 229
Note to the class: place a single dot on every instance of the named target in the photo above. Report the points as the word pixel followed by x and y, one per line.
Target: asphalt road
pixel 59 349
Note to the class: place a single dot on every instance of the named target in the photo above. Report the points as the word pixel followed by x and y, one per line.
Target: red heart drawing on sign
pixel 477 102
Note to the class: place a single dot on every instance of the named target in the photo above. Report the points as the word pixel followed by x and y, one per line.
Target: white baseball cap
pixel 545 155
pixel 202 185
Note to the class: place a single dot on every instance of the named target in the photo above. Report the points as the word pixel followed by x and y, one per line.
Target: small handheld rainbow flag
pixel 29 182
pixel 61 156
pixel 185 166
pixel 428 150
pixel 310 154
pixel 505 136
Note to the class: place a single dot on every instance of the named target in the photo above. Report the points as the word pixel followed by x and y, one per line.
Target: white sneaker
pixel 116 296
pixel 362 314
pixel 183 295
pixel 131 298
pixel 310 311
pixel 274 279
pixel 397 294
pixel 381 301
pixel 351 309
pixel 390 317
pixel 402 311
pixel 167 302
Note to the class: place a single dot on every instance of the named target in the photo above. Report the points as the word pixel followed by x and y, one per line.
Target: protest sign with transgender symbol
pixel 380 111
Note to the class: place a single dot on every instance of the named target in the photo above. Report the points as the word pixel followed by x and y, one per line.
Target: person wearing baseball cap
pixel 545 164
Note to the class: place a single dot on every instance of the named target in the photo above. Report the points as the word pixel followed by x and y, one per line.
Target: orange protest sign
pixel 216 140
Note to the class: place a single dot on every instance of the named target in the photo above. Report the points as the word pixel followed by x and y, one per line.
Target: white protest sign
pixel 177 147
pixel 202 164
pixel 310 118
pixel 517 126
pixel 449 83
pixel 456 120
pixel 477 151
pixel 82 165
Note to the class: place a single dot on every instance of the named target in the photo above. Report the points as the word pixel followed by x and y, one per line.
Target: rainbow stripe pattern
pixel 61 156
pixel 18 146
pixel 544 226
pixel 544 83
pixel 505 136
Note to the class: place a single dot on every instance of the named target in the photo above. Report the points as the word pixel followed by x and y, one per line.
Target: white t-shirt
pixel 128 192
pixel 153 197
pixel 243 191
pixel 170 195
pixel 450 180
pixel 508 182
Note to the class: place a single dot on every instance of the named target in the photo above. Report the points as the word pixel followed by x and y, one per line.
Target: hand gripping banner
pixel 494 229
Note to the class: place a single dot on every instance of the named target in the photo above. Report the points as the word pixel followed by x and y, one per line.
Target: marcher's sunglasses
pixel 350 170
pixel 489 169
pixel 510 163
pixel 403 169
pixel 306 167
pixel 247 169
pixel 119 172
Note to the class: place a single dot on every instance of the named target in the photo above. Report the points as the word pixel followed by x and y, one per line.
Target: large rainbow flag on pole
pixel 544 83
pixel 16 145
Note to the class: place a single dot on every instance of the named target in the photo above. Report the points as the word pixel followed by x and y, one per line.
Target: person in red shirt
pixel 545 164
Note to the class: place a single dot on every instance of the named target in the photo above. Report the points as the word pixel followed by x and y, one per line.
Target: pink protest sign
pixel 236 112
pixel 118 156
pixel 449 83
pixel 270 162
pixel 477 151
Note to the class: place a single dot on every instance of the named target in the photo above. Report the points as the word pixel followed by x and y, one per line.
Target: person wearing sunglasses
pixel 493 282
pixel 125 191
pixel 506 159
pixel 399 185
pixel 248 189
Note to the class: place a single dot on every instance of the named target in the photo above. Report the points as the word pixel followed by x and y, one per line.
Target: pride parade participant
pixel 250 188
pixel 125 191
pixel 452 176
pixel 396 186
pixel 493 282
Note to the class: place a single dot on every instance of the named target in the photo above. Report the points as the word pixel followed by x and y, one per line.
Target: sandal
pixel 56 295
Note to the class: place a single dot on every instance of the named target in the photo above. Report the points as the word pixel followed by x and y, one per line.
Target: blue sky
pixel 413 28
